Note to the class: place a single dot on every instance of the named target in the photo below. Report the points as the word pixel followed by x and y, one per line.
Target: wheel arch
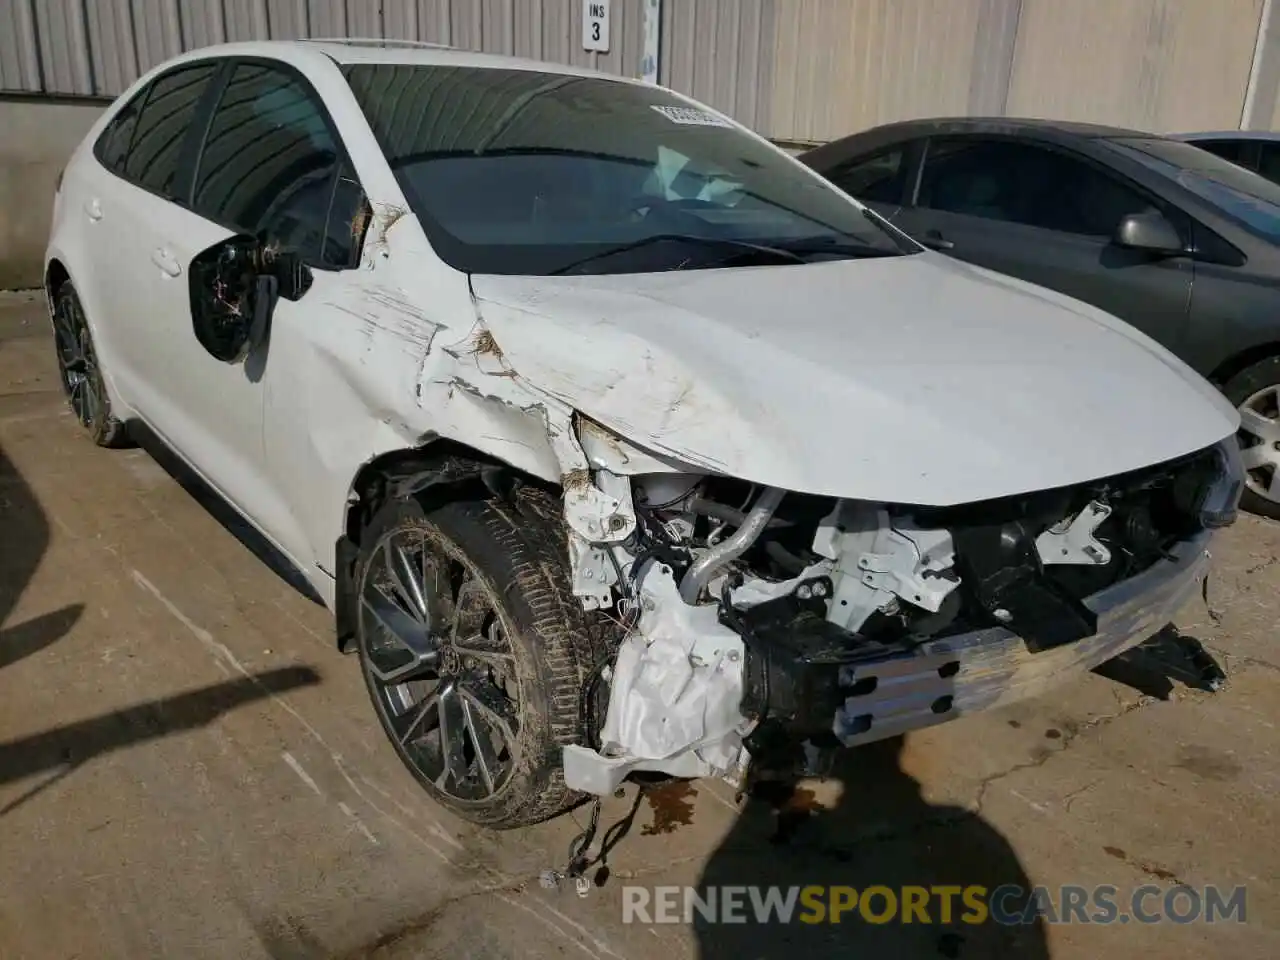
pixel 57 272
pixel 55 275
pixel 440 471
pixel 1242 360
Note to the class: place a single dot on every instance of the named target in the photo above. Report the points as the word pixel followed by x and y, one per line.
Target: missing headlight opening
pixel 765 626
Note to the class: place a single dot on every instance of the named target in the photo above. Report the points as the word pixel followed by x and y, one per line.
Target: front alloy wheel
pixel 474 651
pixel 79 372
pixel 441 664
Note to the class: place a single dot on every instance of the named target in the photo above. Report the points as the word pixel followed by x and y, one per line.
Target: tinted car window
pixel 526 172
pixel 1249 199
pixel 270 164
pixel 152 161
pixel 1027 184
pixel 113 144
pixel 1227 149
pixel 880 177
pixel 346 220
pixel 1269 162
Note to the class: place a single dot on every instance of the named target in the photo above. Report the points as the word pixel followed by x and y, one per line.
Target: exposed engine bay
pixel 750 612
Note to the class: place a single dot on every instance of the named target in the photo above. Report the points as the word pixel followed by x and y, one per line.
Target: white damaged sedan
pixel 615 438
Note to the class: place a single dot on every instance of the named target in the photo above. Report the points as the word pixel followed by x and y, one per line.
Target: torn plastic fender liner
pixel 674 698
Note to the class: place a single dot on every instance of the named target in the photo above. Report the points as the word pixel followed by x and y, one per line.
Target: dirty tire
pixel 1245 384
pixel 80 373
pixel 517 551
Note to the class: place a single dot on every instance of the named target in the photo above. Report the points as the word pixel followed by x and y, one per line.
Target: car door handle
pixel 93 209
pixel 166 261
pixel 937 241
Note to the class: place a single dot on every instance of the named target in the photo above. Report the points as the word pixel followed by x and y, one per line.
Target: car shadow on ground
pixel 57 752
pixel 880 832
pixel 1153 666
pixel 221 511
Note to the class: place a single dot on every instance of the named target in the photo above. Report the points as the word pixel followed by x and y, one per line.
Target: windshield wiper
pixel 836 246
pixel 739 246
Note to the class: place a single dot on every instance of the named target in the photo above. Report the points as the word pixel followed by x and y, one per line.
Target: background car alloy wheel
pixel 475 651
pixel 1260 442
pixel 1255 391
pixel 80 372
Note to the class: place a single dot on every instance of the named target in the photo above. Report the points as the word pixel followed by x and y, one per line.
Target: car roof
pixel 881 137
pixel 1227 135
pixel 353 50
pixel 1070 128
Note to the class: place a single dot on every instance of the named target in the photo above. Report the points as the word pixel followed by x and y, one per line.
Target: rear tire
pixel 1255 392
pixel 80 372
pixel 516 679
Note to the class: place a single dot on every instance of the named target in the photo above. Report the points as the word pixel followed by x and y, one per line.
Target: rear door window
pixel 271 165
pixel 161 128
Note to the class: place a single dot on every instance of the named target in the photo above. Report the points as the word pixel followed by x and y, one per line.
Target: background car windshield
pixel 526 172
pixel 1242 195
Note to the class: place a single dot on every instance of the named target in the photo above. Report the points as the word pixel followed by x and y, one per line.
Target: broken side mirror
pixel 234 287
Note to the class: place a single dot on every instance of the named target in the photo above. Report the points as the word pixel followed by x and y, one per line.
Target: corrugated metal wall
pixel 844 65
pixel 98 47
pixel 798 70
pixel 1159 65
pixel 721 52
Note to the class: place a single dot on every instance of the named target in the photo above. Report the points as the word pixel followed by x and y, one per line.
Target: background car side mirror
pixel 234 287
pixel 1151 232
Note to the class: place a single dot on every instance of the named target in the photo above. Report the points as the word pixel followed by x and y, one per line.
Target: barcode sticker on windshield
pixel 691 116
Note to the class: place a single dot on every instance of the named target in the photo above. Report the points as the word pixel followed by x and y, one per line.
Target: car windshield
pixel 1241 195
pixel 527 172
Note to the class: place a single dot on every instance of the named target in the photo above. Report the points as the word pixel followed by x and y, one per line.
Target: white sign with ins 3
pixel 595 25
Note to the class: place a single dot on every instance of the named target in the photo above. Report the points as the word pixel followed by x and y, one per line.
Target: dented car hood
pixel 913 379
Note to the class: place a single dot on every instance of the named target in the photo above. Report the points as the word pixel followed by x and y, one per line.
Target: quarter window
pixel 113 145
pixel 1026 184
pixel 270 165
pixel 877 178
pixel 153 153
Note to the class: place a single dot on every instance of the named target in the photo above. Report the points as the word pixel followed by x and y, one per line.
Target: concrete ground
pixel 189 769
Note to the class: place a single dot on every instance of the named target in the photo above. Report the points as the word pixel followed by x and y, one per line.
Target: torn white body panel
pixel 912 379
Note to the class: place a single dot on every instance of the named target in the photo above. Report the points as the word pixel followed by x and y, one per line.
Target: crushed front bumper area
pixel 953 676
pixel 682 716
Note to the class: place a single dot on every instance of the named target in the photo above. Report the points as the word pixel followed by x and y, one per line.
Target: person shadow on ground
pixel 49 756
pixel 879 833
pixel 24 538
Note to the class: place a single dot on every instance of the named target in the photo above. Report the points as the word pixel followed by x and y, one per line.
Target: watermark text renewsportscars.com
pixel 1006 905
